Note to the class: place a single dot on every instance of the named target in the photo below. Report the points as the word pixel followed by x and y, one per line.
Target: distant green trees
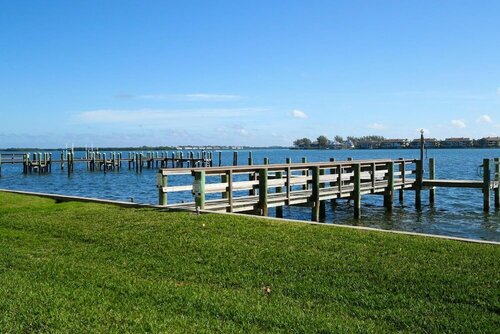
pixel 303 143
pixel 323 141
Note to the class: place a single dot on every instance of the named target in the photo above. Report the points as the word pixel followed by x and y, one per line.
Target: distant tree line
pixel 323 141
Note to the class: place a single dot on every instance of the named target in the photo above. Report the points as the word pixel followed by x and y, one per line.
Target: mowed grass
pixel 79 267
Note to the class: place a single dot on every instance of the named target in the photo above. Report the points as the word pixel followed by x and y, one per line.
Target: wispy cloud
pixel 296 113
pixel 195 97
pixel 484 119
pixel 377 126
pixel 458 124
pixel 154 115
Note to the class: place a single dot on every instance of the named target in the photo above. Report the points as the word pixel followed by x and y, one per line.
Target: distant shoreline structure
pixel 377 142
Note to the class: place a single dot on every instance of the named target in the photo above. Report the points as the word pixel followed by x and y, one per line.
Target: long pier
pixel 43 162
pixel 256 188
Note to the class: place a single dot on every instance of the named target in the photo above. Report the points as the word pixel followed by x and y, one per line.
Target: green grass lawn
pixel 78 267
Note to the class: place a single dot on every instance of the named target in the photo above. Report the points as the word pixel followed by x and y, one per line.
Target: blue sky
pixel 245 72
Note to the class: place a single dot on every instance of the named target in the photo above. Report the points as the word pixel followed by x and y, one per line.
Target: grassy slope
pixel 75 266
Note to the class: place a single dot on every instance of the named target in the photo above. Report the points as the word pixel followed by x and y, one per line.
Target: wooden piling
pixel 357 191
pixel 389 191
pixel 162 182
pixel 224 179
pixel 279 209
pixel 315 194
pixel 305 173
pixel 235 158
pixel 199 189
pixel 486 184
pixel 402 178
pixel 263 192
pixel 432 176
pixel 418 185
pixel 496 162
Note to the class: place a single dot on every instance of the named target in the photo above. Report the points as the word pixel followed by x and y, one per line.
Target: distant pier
pixel 43 162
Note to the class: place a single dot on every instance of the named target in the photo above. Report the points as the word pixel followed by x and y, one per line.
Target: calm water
pixel 457 212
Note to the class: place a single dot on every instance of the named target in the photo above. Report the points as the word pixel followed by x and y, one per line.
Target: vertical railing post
pixel 161 183
pixel 389 191
pixel 418 185
pixel 199 189
pixel 315 194
pixel 305 173
pixel 402 178
pixel 357 191
pixel 496 161
pixel 279 190
pixel 486 184
pixel 333 201
pixel 230 190
pixel 223 179
pixel 235 158
pixel 432 176
pixel 263 192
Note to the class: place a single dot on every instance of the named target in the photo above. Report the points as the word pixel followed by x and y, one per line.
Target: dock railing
pixel 260 187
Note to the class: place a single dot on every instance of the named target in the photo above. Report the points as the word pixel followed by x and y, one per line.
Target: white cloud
pixel 484 119
pixel 156 115
pixel 296 113
pixel 377 126
pixel 243 132
pixel 458 123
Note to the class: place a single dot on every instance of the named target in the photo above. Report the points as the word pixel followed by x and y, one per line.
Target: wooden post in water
pixel 230 191
pixel 279 190
pixel 263 192
pixel 235 158
pixel 418 185
pixel 357 191
pixel 389 191
pixel 220 158
pixel 402 177
pixel 315 194
pixel 486 184
pixel 496 161
pixel 199 189
pixel 432 176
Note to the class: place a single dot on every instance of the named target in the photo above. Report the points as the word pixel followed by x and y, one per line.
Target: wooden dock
pixel 256 188
pixel 43 162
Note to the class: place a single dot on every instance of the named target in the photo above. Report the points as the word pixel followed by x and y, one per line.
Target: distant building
pixel 394 143
pixel 429 143
pixel 457 143
pixel 335 145
pixel 367 145
pixel 491 142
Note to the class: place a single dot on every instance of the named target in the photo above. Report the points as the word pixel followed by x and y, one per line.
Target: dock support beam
pixel 199 189
pixel 316 203
pixel 357 191
pixel 402 171
pixel 279 209
pixel 496 162
pixel 263 192
pixel 486 184
pixel 432 176
pixel 389 192
pixel 418 185
pixel 162 195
